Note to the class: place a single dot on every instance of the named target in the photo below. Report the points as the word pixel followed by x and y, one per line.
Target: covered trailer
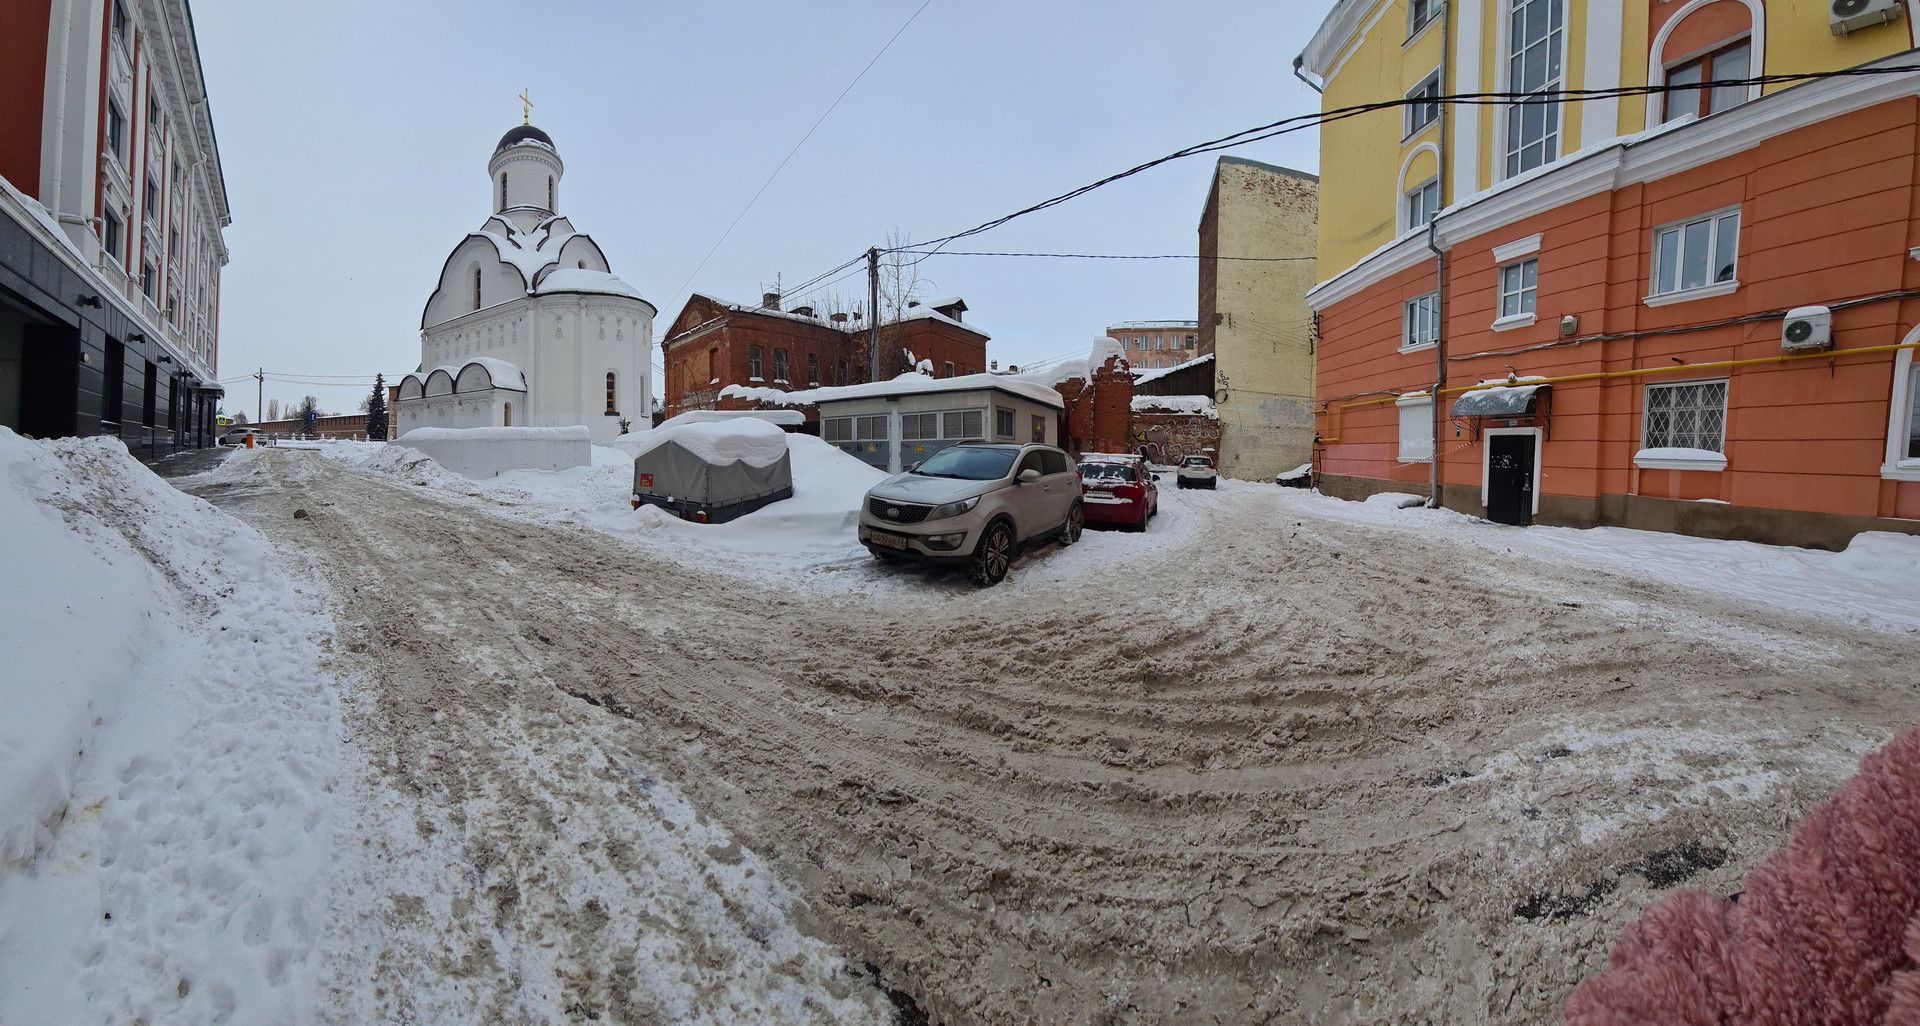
pixel 711 472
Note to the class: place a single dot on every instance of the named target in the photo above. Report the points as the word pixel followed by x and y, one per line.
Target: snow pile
pixel 574 433
pixel 167 752
pixel 782 417
pixel 1195 405
pixel 748 440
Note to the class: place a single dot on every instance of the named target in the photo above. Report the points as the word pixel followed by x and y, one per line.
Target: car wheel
pixel 1076 522
pixel 991 556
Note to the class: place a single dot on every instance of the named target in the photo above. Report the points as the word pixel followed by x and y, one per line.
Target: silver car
pixel 974 505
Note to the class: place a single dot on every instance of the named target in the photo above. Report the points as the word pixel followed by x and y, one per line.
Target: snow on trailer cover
pixel 713 471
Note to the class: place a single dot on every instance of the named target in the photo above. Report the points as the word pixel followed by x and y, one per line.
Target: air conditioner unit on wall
pixel 1844 16
pixel 1807 327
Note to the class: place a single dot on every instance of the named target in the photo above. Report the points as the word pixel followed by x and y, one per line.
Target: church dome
pixel 524 134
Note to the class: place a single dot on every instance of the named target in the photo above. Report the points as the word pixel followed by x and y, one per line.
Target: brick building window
pixel 1691 415
pixel 713 366
pixel 754 369
pixel 1729 62
pixel 1695 254
pixel 1519 287
pixel 780 365
pixel 946 369
pixel 813 368
pixel 1533 67
pixel 840 372
pixel 1421 326
pixel 149 280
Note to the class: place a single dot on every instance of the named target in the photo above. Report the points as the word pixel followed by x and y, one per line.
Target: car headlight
pixel 953 509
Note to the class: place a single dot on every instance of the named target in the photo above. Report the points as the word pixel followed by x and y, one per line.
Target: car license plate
pixel 888 541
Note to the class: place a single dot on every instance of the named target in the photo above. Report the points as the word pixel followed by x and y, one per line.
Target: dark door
pixel 1510 479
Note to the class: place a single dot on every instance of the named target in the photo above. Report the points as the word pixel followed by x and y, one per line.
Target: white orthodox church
pixel 529 327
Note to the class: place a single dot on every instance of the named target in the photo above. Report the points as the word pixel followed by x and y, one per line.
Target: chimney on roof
pixel 993 365
pixel 839 318
pixel 804 311
pixel 770 300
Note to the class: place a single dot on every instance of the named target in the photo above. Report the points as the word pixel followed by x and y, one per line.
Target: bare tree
pixel 273 409
pixel 901 285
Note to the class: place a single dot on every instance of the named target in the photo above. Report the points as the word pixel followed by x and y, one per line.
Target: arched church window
pixel 779 365
pixel 611 407
pixel 476 288
pixel 549 193
pixel 506 414
pixel 503 190
pixel 753 364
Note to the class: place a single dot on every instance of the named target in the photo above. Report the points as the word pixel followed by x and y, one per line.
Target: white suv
pixel 1197 472
pixel 974 505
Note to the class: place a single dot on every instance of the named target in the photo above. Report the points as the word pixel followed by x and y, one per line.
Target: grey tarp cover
pixel 684 476
pixel 1508 401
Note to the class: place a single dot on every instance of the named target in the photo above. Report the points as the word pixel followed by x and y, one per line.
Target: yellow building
pixel 1384 169
pixel 1256 265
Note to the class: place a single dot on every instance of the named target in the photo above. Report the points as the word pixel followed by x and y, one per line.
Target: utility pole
pixel 873 313
pixel 259 395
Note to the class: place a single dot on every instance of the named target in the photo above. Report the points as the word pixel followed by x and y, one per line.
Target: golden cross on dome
pixel 526 107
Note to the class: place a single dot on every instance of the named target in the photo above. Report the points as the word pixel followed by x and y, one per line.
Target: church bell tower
pixel 525 171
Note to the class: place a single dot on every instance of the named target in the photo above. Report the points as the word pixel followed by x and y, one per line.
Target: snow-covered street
pixel 1280 756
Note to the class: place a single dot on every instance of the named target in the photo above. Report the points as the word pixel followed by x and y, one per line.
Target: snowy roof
pixel 789 417
pixel 1201 405
pixel 1155 375
pixel 1504 401
pixel 927 313
pixel 748 440
pixel 579 279
pixel 910 383
pixel 529 251
pixel 500 373
pixel 756 308
pixel 943 303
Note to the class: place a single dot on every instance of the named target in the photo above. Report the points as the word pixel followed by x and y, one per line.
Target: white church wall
pixel 529 170
pixel 480 453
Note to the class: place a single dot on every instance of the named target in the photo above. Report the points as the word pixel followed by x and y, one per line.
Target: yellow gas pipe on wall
pixel 1335 412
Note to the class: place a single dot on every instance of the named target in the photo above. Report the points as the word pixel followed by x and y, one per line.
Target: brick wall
pixel 1100 418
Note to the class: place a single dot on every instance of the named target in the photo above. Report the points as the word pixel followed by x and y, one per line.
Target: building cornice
pixel 1628 160
pixel 1335 33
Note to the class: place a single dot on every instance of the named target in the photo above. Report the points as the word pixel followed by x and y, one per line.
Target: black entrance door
pixel 1510 479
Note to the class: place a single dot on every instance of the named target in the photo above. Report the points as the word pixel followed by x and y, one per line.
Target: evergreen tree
pixel 306 413
pixel 377 410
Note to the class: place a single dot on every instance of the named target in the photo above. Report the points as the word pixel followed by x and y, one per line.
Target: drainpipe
pixel 1440 265
pixel 1298 64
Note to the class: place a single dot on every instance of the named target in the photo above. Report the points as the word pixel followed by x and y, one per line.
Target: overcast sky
pixel 355 135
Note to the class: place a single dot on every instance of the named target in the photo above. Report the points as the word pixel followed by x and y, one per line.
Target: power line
pixel 803 141
pixel 1301 122
pixel 1104 256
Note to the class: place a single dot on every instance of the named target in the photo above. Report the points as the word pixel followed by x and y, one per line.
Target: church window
pixel 611 407
pixel 506 414
pixel 503 190
pixel 754 372
pixel 476 288
pixel 813 368
pixel 779 365
pixel 549 193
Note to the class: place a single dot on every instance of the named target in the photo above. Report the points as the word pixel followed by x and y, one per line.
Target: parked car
pixel 1197 472
pixel 974 506
pixel 236 435
pixel 1118 490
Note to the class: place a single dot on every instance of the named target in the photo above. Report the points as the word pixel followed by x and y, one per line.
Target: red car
pixel 1118 489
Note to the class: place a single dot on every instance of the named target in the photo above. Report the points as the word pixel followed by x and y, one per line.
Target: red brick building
pixel 714 343
pixel 1105 413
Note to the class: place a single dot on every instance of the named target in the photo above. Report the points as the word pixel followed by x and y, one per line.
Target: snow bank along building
pixel 1692 311
pixel 715 344
pixel 111 210
pixel 1253 313
pixel 528 326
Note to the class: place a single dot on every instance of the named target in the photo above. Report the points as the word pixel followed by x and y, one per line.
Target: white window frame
pixel 998 412
pixel 1415 409
pixel 1646 412
pixel 1409 123
pixel 1410 311
pixel 1416 27
pixel 1505 112
pixel 1486 462
pixel 1520 318
pixel 1900 415
pixel 1429 207
pixel 1657 68
pixel 1679 293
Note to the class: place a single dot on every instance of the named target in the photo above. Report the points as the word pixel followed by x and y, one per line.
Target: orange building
pixel 1705 325
pixel 1156 345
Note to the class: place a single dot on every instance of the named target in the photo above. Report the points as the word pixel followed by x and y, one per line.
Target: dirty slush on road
pixel 1293 771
